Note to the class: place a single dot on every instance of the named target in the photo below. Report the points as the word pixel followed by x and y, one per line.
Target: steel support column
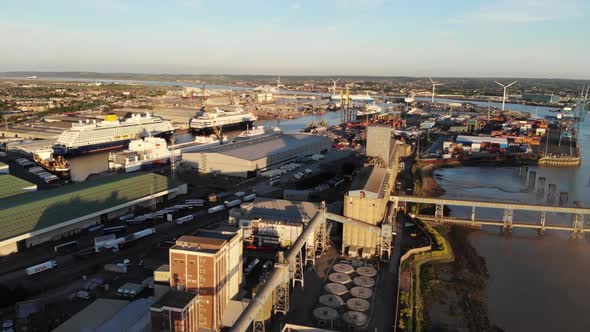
pixel 298 269
pixel 507 219
pixel 578 222
pixel 439 213
pixel 543 217
pixel 473 213
pixel 281 299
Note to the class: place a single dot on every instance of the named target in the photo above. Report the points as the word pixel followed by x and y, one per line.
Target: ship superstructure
pixel 87 137
pixel 142 154
pixel 207 121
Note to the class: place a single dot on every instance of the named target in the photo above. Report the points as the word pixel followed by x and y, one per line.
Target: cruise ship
pixel 206 121
pixel 88 137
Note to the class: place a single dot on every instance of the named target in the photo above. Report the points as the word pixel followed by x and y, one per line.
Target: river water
pixel 537 283
pixel 83 166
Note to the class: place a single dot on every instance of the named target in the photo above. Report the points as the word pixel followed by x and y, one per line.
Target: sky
pixel 450 38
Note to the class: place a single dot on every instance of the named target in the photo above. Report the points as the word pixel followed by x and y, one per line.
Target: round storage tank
pixel 355 318
pixel 331 300
pixel 356 263
pixel 366 271
pixel 343 268
pixel 364 281
pixel 361 292
pixel 336 289
pixel 358 304
pixel 325 313
pixel 340 278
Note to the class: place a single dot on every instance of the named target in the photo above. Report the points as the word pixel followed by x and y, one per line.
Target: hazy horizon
pixel 458 38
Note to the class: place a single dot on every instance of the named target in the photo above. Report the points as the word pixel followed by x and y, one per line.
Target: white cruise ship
pixel 206 121
pixel 88 137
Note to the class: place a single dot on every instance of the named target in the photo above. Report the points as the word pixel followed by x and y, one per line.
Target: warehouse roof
pixel 280 209
pixel 259 148
pixel 11 186
pixel 35 211
pixel 93 315
pixel 370 180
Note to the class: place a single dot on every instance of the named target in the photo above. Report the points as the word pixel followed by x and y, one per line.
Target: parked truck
pixel 233 203
pixel 142 233
pixel 41 267
pixel 248 198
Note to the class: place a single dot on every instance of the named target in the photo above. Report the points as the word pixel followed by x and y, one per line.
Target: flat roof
pixel 259 148
pixel 38 210
pixel 175 299
pixel 281 209
pixel 91 317
pixel 370 179
pixel 11 186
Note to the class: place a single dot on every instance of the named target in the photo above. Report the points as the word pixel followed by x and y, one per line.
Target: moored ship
pixel 142 154
pixel 87 137
pixel 207 121
pixel 57 166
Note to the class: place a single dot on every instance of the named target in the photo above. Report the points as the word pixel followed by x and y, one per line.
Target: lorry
pixel 308 171
pixel 114 244
pixel 100 241
pixel 142 233
pixel 216 209
pixel 41 267
pixel 130 290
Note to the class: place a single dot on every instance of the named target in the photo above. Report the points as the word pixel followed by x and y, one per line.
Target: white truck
pixel 142 233
pixel 41 267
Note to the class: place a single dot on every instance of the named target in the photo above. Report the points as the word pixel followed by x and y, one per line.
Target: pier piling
pixel 532 179
pixel 563 197
pixel 541 186
pixel 551 194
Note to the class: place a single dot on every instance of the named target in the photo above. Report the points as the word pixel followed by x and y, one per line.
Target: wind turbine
pixel 279 85
pixel 334 87
pixel 434 84
pixel 505 88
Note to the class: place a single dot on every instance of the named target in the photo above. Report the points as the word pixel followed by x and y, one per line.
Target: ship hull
pixel 225 127
pixel 59 150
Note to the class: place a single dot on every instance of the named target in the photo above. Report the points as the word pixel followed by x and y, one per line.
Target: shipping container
pixel 233 203
pixel 115 230
pixel 184 219
pixel 248 198
pixel 216 209
pixel 41 267
pixel 126 217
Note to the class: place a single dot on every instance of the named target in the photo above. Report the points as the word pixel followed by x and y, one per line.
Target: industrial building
pixel 275 222
pixel 209 264
pixel 247 158
pixel 33 218
pixel 541 98
pixel 365 201
pixel 380 144
pixel 106 315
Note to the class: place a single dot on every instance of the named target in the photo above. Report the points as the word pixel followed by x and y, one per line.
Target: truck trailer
pixel 41 267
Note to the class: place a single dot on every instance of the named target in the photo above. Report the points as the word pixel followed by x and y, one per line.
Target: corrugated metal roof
pixel 92 316
pixel 11 185
pixel 23 214
pixel 133 313
pixel 255 149
pixel 280 209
